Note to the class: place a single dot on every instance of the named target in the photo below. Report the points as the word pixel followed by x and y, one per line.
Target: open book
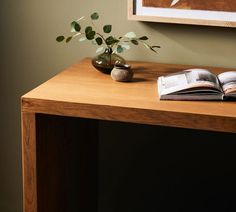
pixel 197 84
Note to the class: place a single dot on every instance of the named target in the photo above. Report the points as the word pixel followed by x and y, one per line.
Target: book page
pixel 189 79
pixel 228 82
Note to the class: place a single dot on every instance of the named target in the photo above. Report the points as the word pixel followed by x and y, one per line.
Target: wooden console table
pixel 60 125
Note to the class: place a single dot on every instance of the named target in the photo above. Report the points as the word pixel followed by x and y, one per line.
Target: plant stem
pixel 98 33
pixel 81 18
pixel 77 34
pixel 110 59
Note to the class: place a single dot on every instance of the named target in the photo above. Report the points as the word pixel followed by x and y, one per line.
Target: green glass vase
pixel 106 61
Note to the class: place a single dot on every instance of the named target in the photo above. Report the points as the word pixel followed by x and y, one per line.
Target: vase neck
pixel 108 50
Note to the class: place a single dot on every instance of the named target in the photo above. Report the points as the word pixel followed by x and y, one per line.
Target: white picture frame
pixel 138 12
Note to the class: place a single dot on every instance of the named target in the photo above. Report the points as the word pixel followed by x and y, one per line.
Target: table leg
pixel 65 150
pixel 29 162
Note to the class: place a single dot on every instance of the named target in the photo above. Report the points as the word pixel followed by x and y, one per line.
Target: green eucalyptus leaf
pixel 135 42
pixel 119 49
pixel 107 28
pixel 88 29
pixel 99 41
pixel 143 38
pixel 75 27
pixel 90 35
pixel 156 47
pixel 130 35
pixel 60 38
pixel 82 39
pixel 147 46
pixel 111 40
pixel 68 39
pixel 99 49
pixel 94 16
pixel 153 48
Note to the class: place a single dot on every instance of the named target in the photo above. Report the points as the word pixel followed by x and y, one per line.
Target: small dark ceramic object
pixel 122 73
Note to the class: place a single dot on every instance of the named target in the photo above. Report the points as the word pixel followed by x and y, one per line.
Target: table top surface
pixel 83 91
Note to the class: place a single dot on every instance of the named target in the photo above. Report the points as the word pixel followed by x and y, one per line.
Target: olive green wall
pixel 30 55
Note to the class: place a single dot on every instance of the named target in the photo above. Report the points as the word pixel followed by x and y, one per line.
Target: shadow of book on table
pixel 197 84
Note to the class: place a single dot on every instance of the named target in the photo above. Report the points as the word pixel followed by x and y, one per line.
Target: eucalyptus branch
pixel 77 34
pixel 98 31
pixel 115 45
pixel 81 18
pixel 101 36
pixel 92 33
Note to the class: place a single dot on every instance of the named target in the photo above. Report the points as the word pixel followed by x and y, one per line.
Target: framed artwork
pixel 196 12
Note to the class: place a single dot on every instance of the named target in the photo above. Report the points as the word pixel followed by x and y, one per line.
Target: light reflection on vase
pixel 106 61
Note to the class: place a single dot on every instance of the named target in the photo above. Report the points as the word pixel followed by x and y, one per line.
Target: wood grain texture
pixel 29 162
pixel 60 169
pixel 81 91
pixel 66 164
pixel 134 17
pixel 216 5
